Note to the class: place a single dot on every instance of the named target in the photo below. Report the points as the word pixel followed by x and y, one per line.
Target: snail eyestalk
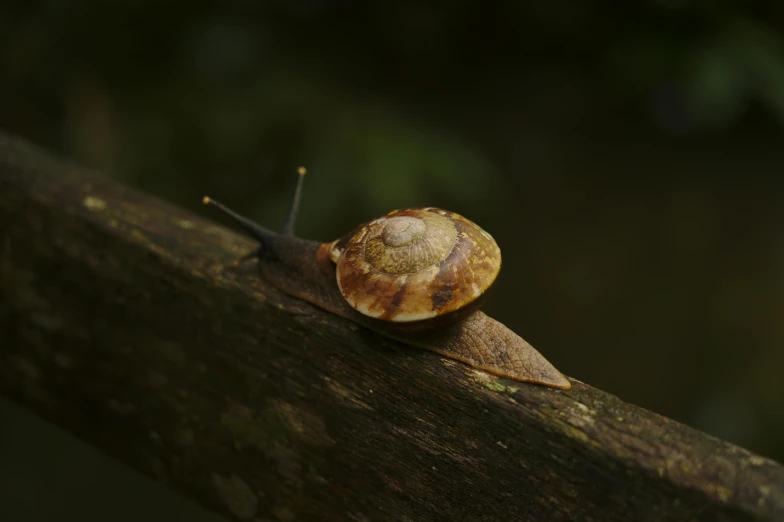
pixel 288 228
pixel 261 234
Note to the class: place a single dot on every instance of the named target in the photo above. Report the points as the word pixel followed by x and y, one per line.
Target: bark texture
pixel 123 320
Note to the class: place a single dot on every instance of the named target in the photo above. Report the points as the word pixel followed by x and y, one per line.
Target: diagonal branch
pixel 123 321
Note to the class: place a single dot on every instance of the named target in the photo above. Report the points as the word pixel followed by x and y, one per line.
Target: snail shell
pixel 415 265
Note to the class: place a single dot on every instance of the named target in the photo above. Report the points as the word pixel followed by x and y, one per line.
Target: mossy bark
pixel 123 320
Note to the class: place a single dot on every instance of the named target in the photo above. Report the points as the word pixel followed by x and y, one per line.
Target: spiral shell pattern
pixel 416 264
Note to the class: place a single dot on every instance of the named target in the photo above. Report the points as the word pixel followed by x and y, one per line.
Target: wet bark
pixel 123 321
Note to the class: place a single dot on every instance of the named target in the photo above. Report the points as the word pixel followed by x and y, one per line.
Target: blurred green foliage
pixel 626 155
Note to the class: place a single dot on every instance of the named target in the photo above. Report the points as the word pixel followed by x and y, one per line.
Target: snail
pixel 416 275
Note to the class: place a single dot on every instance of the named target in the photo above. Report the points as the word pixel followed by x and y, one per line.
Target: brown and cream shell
pixel 417 264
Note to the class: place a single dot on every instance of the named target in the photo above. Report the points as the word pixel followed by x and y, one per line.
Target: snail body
pixel 416 275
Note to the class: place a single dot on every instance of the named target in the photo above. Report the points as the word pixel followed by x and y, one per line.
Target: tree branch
pixel 123 320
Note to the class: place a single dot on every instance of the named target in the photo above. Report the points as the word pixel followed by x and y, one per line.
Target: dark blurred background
pixel 627 156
